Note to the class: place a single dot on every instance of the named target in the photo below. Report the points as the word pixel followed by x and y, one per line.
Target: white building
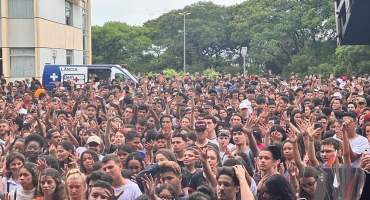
pixel 32 31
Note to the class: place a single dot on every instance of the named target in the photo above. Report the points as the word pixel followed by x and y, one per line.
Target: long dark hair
pixel 93 154
pixel 34 172
pixel 135 156
pixel 59 193
pixel 67 146
pixel 307 172
pixel 279 188
pixel 170 188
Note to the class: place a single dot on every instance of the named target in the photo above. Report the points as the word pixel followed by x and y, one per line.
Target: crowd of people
pixel 170 138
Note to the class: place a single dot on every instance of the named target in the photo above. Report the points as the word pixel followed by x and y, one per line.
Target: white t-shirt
pixel 213 140
pixel 358 146
pixel 132 191
pixel 253 187
pixel 23 194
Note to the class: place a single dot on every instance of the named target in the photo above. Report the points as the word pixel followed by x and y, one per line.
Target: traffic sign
pixel 244 51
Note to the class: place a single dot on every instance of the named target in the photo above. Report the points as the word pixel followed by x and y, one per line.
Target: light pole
pixel 244 53
pixel 184 14
pixel 54 54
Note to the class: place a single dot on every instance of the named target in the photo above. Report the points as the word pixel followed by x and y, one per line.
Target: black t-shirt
pixel 196 180
pixel 187 174
pixel 181 163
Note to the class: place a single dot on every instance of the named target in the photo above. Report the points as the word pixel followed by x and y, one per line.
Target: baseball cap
pixel 229 107
pixel 243 105
pixel 200 124
pixel 223 133
pixel 93 138
pixel 337 94
pixel 362 100
pixel 212 91
pixel 367 118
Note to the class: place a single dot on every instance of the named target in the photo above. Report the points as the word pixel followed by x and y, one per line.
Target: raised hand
pixel 292 168
pixel 149 146
pixel 281 169
pixel 201 154
pixel 147 161
pixel 53 150
pixel 73 159
pixel 65 169
pixel 113 196
pixel 41 164
pixel 167 131
pixel 256 165
pixel 293 137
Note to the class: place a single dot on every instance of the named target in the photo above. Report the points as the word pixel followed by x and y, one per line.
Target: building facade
pixel 39 32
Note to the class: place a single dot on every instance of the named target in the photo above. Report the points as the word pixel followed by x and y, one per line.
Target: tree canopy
pixel 281 35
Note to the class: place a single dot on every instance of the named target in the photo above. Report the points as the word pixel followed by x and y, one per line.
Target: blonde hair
pixel 72 175
pixel 75 174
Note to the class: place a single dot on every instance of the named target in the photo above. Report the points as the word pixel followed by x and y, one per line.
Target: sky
pixel 136 12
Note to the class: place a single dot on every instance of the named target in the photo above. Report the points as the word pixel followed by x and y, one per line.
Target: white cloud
pixel 138 11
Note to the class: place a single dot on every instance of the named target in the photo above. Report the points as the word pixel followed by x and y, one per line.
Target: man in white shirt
pixel 112 165
pixel 358 143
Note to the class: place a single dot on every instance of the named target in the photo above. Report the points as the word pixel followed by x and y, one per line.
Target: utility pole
pixel 184 14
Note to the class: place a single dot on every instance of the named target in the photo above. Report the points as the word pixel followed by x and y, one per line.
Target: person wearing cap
pixel 187 78
pixel 200 128
pixel 212 93
pixel 361 104
pixel 93 144
pixel 230 109
pixel 244 110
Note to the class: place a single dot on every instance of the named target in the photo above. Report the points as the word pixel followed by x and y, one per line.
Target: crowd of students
pixel 167 138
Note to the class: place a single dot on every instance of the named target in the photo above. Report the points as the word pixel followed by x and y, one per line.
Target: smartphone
pixel 367 154
pixel 317 125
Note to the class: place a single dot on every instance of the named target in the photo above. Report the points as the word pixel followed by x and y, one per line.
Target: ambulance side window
pixel 120 77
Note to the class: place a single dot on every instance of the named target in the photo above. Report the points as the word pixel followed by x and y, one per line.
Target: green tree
pixel 117 42
pixel 285 33
pixel 352 60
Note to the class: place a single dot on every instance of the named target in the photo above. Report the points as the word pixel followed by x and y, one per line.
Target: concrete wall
pixel 55 35
pixel 21 33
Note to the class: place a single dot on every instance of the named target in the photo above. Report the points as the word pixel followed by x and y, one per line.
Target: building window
pixel 69 13
pixel 22 62
pixel 69 57
pixel 20 9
